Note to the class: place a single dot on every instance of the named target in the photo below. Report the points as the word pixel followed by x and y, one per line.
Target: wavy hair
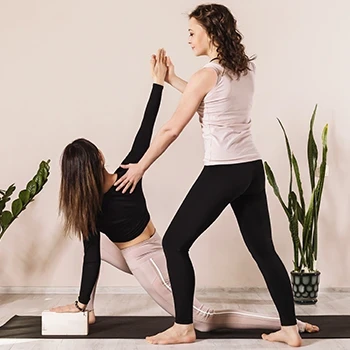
pixel 221 28
pixel 81 190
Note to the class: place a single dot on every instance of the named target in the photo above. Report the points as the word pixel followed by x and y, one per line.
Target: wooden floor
pixel 330 302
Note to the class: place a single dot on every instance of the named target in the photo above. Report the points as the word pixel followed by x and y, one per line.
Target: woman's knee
pixel 172 243
pixel 168 242
pixel 263 252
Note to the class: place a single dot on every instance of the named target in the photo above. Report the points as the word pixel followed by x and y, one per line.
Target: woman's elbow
pixel 172 133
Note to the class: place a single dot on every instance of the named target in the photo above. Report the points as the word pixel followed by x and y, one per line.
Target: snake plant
pixel 303 219
pixel 26 196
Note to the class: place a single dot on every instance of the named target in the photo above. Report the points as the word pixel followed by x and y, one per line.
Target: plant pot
pixel 305 286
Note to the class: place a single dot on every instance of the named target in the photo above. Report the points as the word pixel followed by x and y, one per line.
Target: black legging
pixel 243 187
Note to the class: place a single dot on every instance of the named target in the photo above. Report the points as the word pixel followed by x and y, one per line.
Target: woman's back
pixel 224 115
pixel 124 215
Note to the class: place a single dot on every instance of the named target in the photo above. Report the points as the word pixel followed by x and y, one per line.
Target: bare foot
pixel 311 328
pixel 92 317
pixel 177 334
pixel 288 335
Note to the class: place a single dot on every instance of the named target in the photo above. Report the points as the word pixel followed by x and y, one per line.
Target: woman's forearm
pixel 165 137
pixel 178 83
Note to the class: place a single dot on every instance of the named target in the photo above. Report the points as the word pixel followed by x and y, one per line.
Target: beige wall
pixel 80 68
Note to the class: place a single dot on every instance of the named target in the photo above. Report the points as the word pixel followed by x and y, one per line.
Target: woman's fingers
pixel 153 59
pixel 133 187
pixel 158 54
pixel 120 180
pixel 124 183
pixel 127 186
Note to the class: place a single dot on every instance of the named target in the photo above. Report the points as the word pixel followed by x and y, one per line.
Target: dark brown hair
pixel 81 190
pixel 221 28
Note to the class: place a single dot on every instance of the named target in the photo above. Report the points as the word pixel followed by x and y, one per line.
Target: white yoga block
pixel 54 323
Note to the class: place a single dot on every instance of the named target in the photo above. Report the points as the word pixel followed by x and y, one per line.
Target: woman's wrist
pixel 172 79
pixel 143 166
pixel 158 81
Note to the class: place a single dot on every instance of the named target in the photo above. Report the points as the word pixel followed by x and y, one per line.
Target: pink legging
pixel 146 261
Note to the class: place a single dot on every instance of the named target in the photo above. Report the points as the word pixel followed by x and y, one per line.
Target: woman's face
pixel 198 38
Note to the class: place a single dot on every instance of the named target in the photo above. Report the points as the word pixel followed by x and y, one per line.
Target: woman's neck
pixel 109 180
pixel 213 53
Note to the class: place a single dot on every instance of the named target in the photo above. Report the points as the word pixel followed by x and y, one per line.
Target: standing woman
pixel 118 229
pixel 233 174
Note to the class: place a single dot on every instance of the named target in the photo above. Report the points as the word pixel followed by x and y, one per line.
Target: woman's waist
pixel 124 228
pixel 147 233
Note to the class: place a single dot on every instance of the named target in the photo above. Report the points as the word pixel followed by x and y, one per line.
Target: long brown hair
pixel 221 28
pixel 81 190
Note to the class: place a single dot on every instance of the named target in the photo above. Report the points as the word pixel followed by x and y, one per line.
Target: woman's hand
pixel 159 67
pixel 71 308
pixel 170 75
pixel 130 178
pixel 172 79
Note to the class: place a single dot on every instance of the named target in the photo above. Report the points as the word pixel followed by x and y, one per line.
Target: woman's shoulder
pixel 215 66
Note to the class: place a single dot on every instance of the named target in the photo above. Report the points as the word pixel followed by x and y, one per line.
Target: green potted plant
pixel 26 196
pixel 303 220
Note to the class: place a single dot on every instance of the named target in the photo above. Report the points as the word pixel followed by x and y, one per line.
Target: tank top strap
pixel 217 68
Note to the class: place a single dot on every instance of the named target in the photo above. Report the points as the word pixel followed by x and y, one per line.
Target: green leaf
pixel 45 165
pixel 39 180
pixel 43 173
pixel 2 205
pixel 6 197
pixel 323 167
pixel 6 219
pixel 319 190
pixel 41 177
pixel 294 230
pixel 314 242
pixel 31 187
pixel 324 136
pixel 289 152
pixel 24 195
pixel 271 179
pixel 312 152
pixel 307 229
pixel 10 191
pixel 301 214
pixel 17 206
pixel 300 186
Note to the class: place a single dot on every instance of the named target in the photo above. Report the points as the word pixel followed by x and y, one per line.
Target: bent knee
pixel 173 244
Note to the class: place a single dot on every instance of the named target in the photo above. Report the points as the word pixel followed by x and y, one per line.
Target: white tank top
pixel 224 115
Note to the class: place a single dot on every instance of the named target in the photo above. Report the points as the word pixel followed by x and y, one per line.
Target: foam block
pixel 54 323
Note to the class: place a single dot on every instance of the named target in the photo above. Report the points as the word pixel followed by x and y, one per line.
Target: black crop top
pixel 123 216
